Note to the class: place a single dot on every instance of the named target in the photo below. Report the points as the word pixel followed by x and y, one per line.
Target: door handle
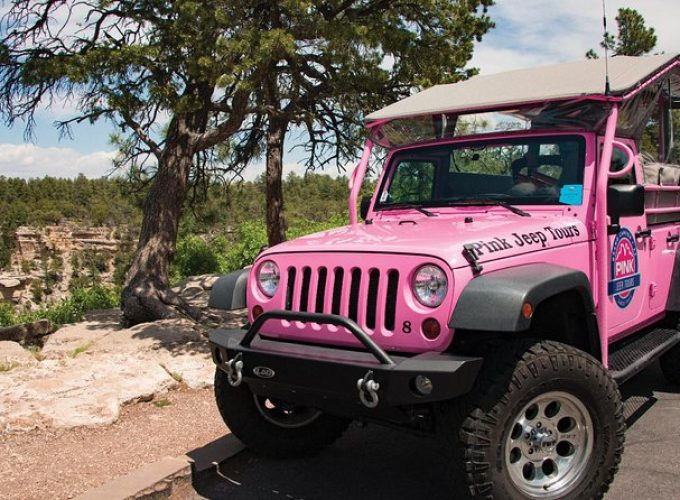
pixel 673 238
pixel 643 233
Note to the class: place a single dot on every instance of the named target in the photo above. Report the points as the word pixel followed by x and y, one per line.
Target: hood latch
pixel 471 257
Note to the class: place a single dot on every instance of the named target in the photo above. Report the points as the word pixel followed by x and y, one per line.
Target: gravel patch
pixel 63 463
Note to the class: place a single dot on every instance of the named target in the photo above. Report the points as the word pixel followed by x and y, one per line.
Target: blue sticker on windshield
pixel 571 194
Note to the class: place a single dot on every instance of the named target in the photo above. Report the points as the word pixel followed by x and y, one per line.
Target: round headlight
pixel 268 278
pixel 430 285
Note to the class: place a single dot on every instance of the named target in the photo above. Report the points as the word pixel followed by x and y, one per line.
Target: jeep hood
pixel 489 236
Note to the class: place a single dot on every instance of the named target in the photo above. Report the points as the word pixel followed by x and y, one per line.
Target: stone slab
pixel 10 282
pixel 65 341
pixel 12 354
pixel 144 482
pixel 84 391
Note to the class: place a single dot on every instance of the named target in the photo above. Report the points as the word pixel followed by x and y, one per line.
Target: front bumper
pixel 326 377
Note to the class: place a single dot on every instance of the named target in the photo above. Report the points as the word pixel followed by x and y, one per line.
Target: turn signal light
pixel 527 310
pixel 431 328
pixel 257 310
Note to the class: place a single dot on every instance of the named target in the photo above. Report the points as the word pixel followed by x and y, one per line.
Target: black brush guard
pixel 329 377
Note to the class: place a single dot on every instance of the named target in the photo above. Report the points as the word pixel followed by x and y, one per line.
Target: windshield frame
pixel 416 151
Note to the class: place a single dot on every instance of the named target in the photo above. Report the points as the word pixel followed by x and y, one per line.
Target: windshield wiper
pixel 396 206
pixel 490 201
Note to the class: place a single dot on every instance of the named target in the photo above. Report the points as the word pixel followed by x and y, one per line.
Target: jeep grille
pixel 371 297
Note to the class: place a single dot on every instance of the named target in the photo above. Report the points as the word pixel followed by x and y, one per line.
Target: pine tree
pixel 180 77
pixel 634 38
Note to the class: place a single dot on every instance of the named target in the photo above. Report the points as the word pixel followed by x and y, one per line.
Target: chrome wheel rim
pixel 549 445
pixel 283 414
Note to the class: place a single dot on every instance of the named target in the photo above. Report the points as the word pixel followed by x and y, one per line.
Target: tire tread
pixel 237 408
pixel 507 368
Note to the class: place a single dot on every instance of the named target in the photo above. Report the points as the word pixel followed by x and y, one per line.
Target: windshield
pixel 546 170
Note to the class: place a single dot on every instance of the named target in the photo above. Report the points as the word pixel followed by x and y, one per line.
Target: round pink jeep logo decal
pixel 625 276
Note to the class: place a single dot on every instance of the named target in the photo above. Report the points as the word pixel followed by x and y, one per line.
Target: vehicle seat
pixel 664 174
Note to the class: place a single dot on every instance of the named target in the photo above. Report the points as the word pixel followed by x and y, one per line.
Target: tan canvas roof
pixel 556 82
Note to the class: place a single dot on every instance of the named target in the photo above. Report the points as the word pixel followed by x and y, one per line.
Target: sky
pixel 527 33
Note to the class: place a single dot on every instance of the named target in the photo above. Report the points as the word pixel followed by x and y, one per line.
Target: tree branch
pixel 222 132
pixel 143 136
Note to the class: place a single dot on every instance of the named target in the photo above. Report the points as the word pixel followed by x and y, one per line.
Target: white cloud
pixel 538 32
pixel 27 161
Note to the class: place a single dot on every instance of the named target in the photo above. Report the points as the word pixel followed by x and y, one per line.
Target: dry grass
pixel 80 349
pixel 161 403
pixel 35 351
pixel 5 367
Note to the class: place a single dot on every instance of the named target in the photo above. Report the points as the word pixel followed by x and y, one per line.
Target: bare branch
pixel 143 136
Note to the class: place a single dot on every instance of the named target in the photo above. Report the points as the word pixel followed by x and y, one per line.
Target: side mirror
pixel 365 205
pixel 624 200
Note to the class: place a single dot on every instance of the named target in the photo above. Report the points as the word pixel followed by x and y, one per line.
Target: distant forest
pixel 310 201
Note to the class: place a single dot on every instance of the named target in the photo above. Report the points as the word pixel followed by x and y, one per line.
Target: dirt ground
pixel 61 464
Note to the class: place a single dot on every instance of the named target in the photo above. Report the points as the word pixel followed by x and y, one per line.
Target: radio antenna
pixel 607 88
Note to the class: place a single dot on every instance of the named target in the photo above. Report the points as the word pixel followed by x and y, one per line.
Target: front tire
pixel 272 427
pixel 545 421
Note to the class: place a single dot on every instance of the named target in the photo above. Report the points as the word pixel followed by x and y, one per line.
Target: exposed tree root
pixel 148 300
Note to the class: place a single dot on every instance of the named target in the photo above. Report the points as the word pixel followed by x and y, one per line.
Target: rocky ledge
pixel 86 371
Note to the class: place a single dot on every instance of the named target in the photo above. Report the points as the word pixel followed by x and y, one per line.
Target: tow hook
pixel 368 390
pixel 235 370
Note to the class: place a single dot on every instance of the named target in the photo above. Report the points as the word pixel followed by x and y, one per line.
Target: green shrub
pixel 27 266
pixel 36 291
pixel 97 297
pixel 121 265
pixel 75 264
pixel 252 236
pixel 196 256
pixel 303 227
pixel 57 263
pixel 69 310
pixel 63 312
pixel 5 255
pixel 80 281
pixel 7 315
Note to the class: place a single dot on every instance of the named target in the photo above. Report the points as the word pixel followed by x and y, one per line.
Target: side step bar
pixel 630 356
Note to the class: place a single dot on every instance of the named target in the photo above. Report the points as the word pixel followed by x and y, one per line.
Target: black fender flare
pixel 229 291
pixel 493 301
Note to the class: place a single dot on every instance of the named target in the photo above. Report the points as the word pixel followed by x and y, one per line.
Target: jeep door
pixel 628 261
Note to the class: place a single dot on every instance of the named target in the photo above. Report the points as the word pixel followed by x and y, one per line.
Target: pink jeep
pixel 517 262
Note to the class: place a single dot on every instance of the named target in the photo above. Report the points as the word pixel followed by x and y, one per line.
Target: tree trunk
pixel 276 226
pixel 146 296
